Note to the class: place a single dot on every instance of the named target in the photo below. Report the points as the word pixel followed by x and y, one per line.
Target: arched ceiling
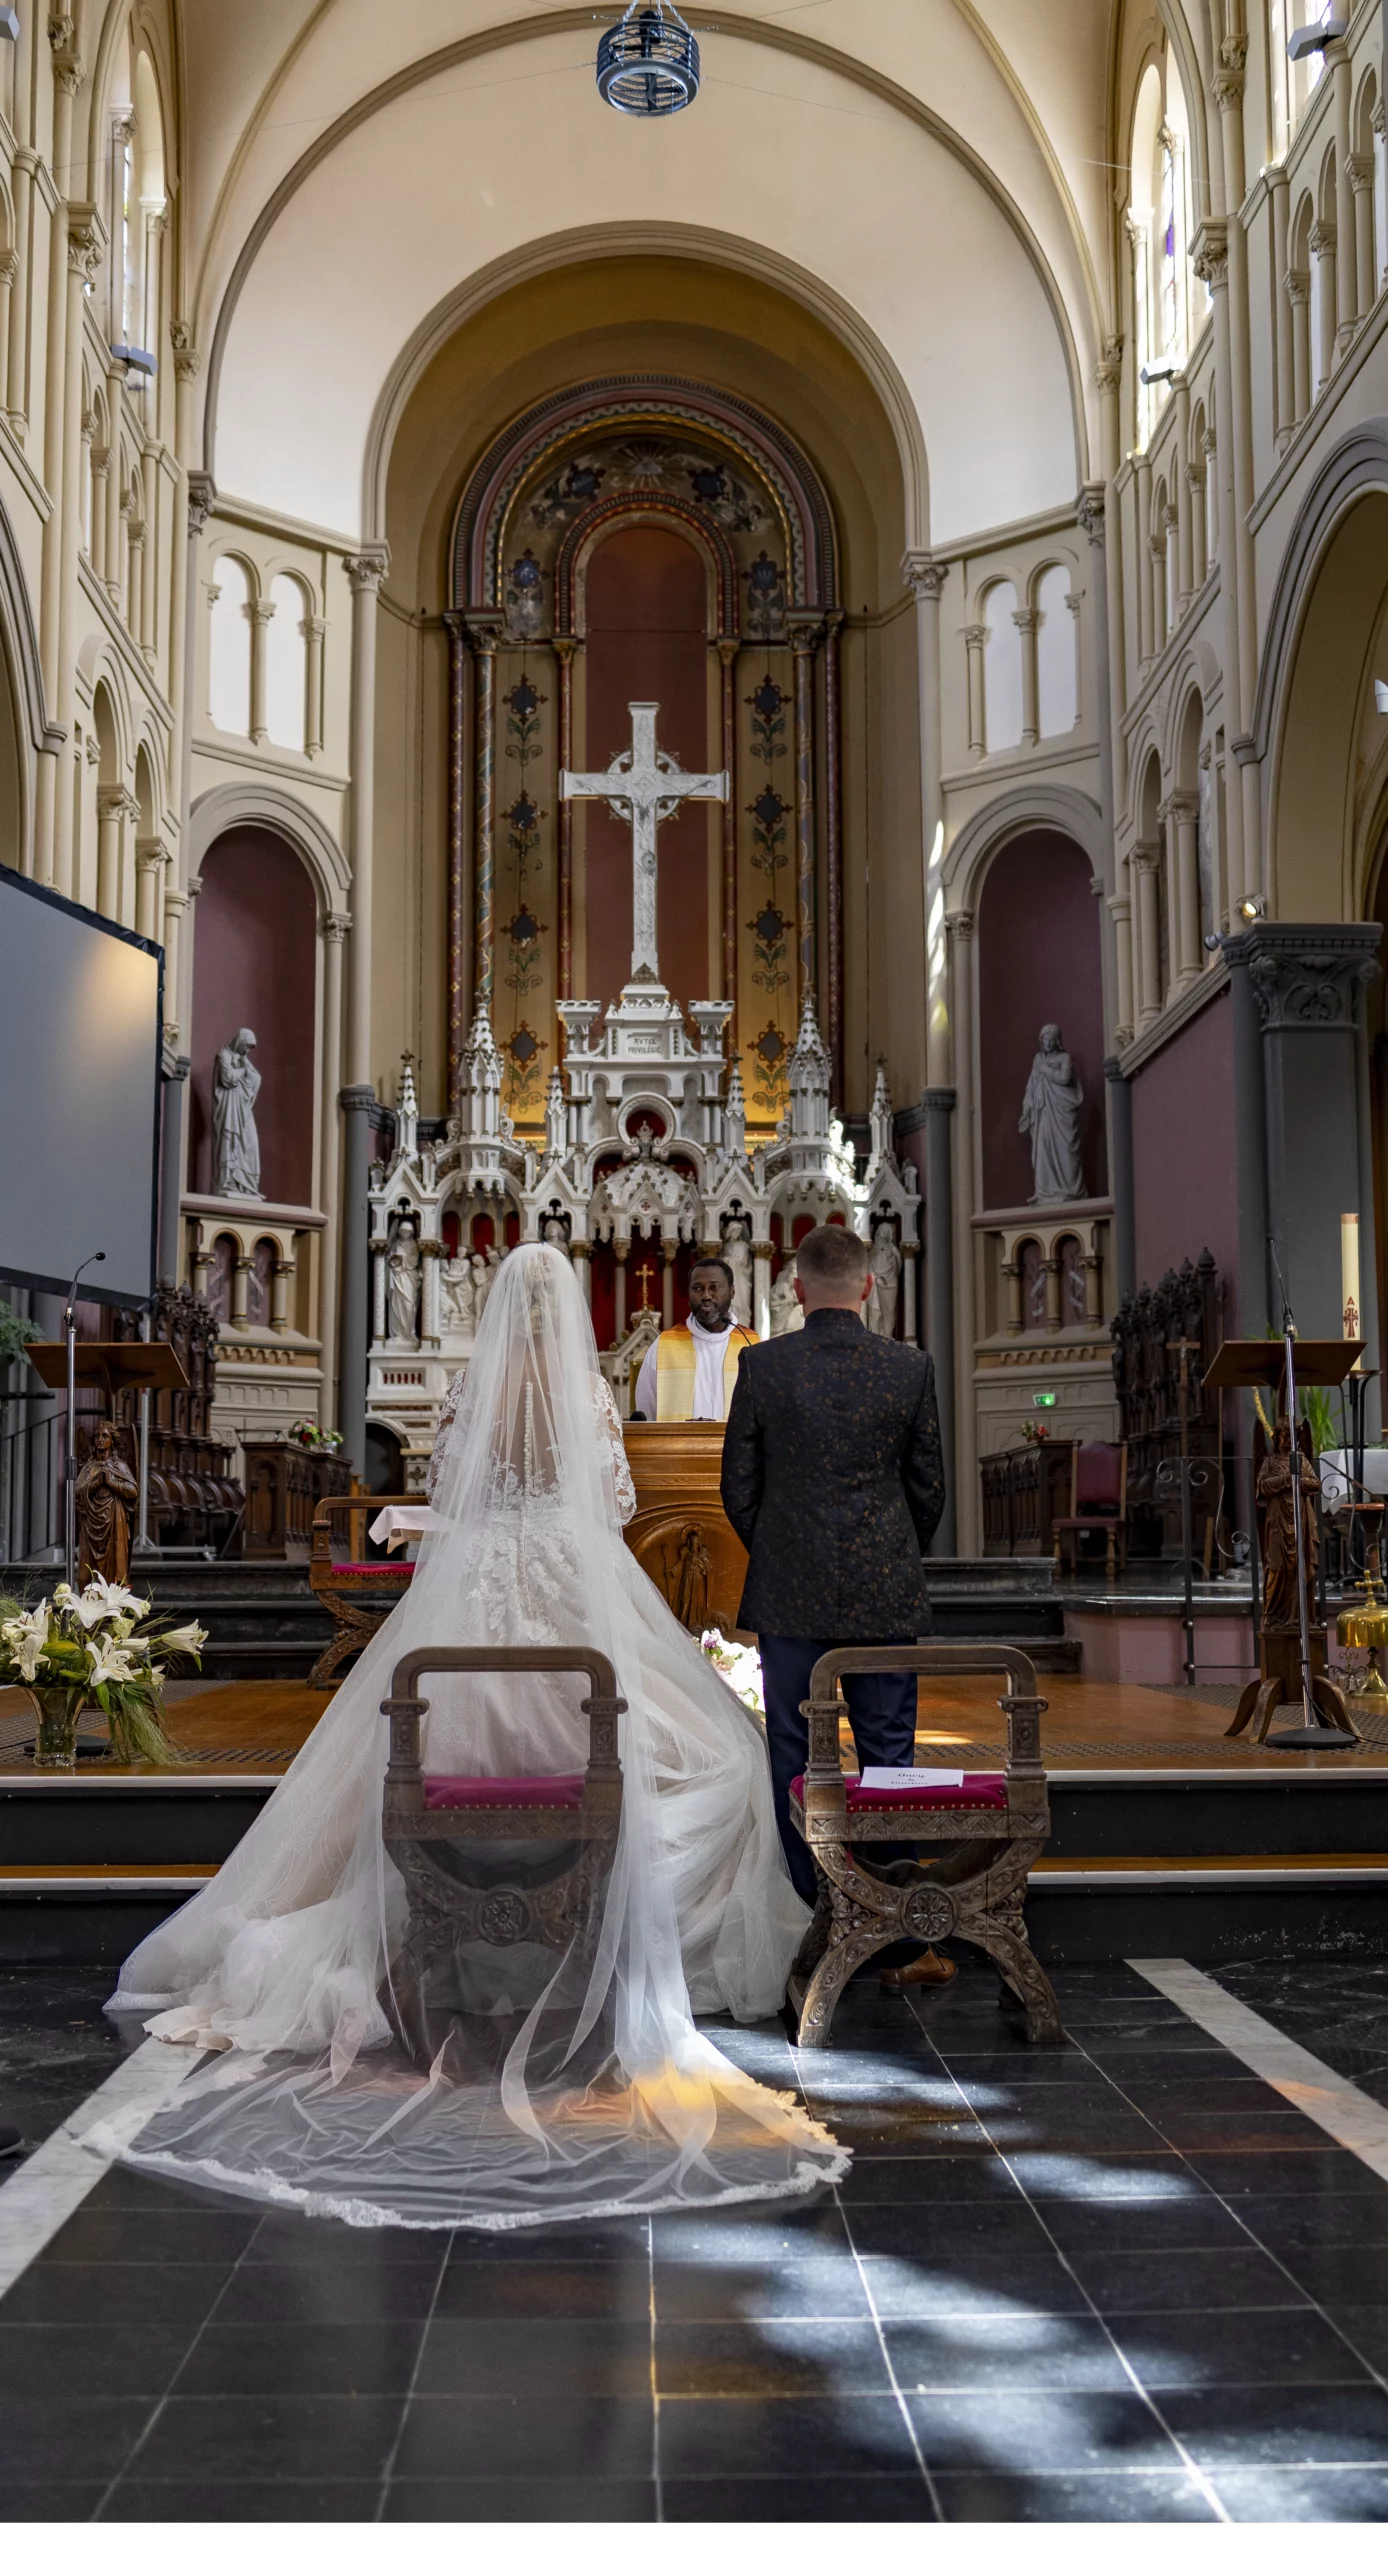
pixel 935 168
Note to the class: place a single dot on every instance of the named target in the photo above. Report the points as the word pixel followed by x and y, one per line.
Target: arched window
pixel 1002 670
pixel 1057 675
pixel 229 656
pixel 286 664
pixel 138 201
pixel 1292 83
pixel 1169 303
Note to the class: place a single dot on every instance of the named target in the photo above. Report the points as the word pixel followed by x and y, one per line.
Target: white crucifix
pixel 641 786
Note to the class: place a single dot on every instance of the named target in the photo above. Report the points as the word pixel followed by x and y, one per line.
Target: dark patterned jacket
pixel 832 1479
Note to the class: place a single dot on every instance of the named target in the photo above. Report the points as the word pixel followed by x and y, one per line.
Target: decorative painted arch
pixel 650 401
pixel 583 535
pixel 260 804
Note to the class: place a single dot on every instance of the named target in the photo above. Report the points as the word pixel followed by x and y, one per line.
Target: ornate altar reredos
pixel 643 1166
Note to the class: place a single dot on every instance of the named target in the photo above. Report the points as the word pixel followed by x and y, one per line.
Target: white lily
pixel 87 1607
pixel 25 1638
pixel 109 1662
pixel 189 1639
pixel 117 1601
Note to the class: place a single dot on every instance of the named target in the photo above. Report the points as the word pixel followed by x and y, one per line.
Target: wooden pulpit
pixel 680 1534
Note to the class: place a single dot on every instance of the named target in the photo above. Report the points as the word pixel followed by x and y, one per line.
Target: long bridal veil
pixel 568 2081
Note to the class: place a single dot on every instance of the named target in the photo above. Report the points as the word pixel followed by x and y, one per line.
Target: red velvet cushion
pixel 445 1795
pixel 982 1788
pixel 366 1572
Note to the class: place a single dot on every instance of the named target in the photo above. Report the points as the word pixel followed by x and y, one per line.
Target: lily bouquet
pixel 100 1647
pixel 740 1666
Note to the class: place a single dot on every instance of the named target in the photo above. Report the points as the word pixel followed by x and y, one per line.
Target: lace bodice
pixel 612 1448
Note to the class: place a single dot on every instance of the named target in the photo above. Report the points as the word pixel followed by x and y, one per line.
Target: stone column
pixel 581 1256
pixel 314 630
pixel 1340 74
pixel 430 1254
pixel 1185 540
pixel 910 1318
pixel 806 631
pixel 975 641
pixel 668 1247
pixel 1121 914
pixel 357 1101
pixel 241 1292
pixel 565 649
pixel 937 1103
pixel 86 242
pixel 1028 623
pixel 1146 588
pixel 833 847
pixel 1361 180
pixel 1379 122
pixel 484 633
pixel 621 1247
pixel 961 928
pixel 1182 814
pixel 1093 517
pixel 333 930
pixel 727 668
pixel 1211 263
pixel 1308 984
pixel 925 578
pixel 1298 285
pixel 262 615
pixel 458 956
pixel 280 1279
pixel 114 806
pixel 151 860
pixel 173 1079
pixel 1144 859
pixel 365 572
pixel 1324 239
pixel 1120 1149
pixel 113 544
pixel 22 189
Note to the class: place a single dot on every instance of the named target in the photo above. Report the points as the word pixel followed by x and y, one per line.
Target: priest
pixel 689 1373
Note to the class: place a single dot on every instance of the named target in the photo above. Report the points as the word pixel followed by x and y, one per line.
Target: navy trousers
pixel 881 1710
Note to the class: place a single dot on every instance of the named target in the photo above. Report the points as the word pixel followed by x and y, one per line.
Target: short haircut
pixel 715 1262
pixel 833 1257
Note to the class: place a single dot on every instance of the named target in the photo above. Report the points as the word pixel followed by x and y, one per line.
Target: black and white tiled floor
pixel 1122 2281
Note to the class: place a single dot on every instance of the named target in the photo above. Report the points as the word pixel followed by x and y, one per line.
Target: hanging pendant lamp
pixel 648 64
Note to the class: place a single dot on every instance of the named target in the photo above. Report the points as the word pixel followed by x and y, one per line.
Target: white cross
pixel 641 786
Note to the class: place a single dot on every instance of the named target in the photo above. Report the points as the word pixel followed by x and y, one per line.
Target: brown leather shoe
pixel 930 1972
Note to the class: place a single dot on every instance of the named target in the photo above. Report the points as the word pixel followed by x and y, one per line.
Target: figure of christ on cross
pixel 641 786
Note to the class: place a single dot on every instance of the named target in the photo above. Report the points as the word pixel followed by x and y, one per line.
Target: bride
pixel 563 2083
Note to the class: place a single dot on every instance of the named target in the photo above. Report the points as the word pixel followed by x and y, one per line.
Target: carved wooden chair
pixel 419 1812
pixel 357 1594
pixel 977 1843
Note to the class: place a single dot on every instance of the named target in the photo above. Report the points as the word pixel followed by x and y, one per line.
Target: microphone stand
pixel 70 1471
pixel 1313 1733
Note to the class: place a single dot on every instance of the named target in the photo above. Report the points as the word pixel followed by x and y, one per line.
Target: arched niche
pixel 254 966
pixel 1038 962
pixel 1331 620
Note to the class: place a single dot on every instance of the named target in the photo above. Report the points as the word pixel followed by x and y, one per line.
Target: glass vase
pixel 57 1710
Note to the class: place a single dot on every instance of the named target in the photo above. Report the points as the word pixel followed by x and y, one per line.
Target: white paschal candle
pixel 1349 1278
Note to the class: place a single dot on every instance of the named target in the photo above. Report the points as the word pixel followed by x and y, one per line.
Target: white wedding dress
pixel 564 2083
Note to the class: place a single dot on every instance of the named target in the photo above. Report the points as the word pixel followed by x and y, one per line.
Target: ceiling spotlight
pixel 648 64
pixel 1380 694
pixel 1250 909
pixel 1162 371
pixel 1314 39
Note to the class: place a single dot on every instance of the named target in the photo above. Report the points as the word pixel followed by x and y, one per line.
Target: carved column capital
pixel 806 632
pixel 86 241
pixel 1307 977
pixel 1089 512
pixel 961 924
pixel 1323 237
pixel 1108 372
pixel 202 498
pixel 924 576
pixel 367 567
pixel 1211 252
pixel 187 359
pixel 334 928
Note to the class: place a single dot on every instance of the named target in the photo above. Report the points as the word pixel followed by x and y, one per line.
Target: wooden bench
pixel 978 1843
pixel 357 1594
pixel 419 1812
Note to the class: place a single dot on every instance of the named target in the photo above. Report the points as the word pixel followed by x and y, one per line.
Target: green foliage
pixel 1314 1406
pixel 15 1333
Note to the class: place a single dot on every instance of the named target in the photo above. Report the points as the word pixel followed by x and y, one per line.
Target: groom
pixel 833 1481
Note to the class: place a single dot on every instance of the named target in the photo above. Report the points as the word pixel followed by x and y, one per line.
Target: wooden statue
pixel 106 1497
pixel 1279 1642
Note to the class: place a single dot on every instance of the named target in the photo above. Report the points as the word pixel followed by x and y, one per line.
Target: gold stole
pixel 676 1361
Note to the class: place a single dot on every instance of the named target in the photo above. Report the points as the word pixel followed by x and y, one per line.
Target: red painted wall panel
pixel 647 621
pixel 254 964
pixel 1183 1152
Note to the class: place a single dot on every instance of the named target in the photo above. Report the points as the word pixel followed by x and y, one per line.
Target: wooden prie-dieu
pixel 974 1845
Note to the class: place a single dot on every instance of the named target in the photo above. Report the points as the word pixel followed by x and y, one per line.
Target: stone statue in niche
pixel 737 1253
pixel 403 1268
pixel 484 1270
pixel 106 1495
pixel 1050 1117
pixel 556 1233
pixel 787 1314
pixel 235 1145
pixel 456 1281
pixel 886 1282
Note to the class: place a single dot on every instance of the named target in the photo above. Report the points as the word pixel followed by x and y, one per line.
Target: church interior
pixel 650 660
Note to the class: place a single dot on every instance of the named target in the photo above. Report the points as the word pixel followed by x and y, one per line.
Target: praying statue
pixel 235 1145
pixel 737 1253
pixel 885 1266
pixel 1051 1119
pixel 456 1279
pixel 106 1494
pixel 402 1283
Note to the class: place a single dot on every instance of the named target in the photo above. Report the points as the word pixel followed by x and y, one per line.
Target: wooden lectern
pixel 1281 1673
pixel 680 1534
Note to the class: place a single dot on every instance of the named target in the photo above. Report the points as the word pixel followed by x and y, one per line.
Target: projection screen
pixel 81 1025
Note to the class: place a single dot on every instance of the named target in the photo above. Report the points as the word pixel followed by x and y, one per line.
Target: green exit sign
pixel 1044 1401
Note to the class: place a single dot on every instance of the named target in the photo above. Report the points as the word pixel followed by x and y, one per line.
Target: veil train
pixel 563 2083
